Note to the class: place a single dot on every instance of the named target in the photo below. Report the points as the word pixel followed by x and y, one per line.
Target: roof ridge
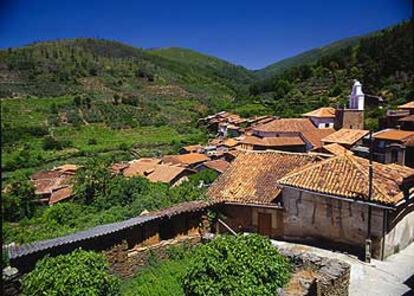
pixel 309 167
pixel 378 187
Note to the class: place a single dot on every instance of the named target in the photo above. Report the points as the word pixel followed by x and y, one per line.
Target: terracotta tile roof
pixel 409 105
pixel 217 165
pixel 45 175
pixel 301 126
pixel 324 112
pixel 252 176
pixel 140 166
pixel 336 149
pixel 119 167
pixel 193 148
pixel 60 194
pixel 272 141
pixel 347 176
pixel 185 159
pixel 165 173
pixel 409 118
pixel 230 143
pixel 394 135
pixel 67 168
pixel 346 136
pixel 46 182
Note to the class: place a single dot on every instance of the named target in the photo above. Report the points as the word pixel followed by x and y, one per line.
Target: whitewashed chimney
pixel 357 97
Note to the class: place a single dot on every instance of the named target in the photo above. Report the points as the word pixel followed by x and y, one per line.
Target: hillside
pixel 81 91
pixel 309 56
pixel 383 62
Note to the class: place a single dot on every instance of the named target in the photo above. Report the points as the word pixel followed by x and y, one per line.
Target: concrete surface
pixel 394 276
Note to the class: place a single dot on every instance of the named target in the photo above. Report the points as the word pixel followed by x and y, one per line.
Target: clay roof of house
pixel 47 181
pixel 60 194
pixel 252 176
pixel 140 166
pixel 230 143
pixel 273 141
pixel 217 165
pixel 324 112
pixel 119 167
pixel 67 168
pixel 336 149
pixel 347 176
pixel 45 175
pixel 165 173
pixel 409 118
pixel 185 159
pixel 346 136
pixel 394 135
pixel 409 105
pixel 302 126
pixel 192 148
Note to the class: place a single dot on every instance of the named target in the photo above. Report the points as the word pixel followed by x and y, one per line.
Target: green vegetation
pixel 381 61
pixel 147 282
pixel 100 198
pixel 79 273
pixel 229 265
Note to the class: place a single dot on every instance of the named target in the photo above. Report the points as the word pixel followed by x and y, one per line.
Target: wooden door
pixel 265 224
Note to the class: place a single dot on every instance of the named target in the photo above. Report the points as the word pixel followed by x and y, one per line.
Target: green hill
pixel 306 57
pixel 382 61
pixel 79 91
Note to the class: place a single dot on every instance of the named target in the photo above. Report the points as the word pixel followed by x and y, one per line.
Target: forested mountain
pixel 98 96
pixel 383 62
pixel 309 56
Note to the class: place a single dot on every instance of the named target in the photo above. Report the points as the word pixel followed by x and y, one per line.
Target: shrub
pixel 236 265
pixel 78 273
pixel 92 141
pixel 51 143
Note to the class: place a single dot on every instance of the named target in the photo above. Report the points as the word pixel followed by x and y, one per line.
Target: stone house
pixel 394 146
pixel 323 201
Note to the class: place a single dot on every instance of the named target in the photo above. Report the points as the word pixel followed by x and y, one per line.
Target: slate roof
pixel 346 136
pixel 192 148
pixel 60 194
pixel 347 176
pixel 252 176
pixel 102 230
pixel 324 112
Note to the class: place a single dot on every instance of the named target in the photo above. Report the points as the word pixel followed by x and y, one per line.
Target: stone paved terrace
pixel 394 276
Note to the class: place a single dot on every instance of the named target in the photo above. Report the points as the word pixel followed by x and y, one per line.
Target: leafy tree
pixel 79 273
pixel 18 198
pixel 92 181
pixel 237 265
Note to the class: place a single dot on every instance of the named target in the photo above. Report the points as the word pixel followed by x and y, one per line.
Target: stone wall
pixel 349 118
pixel 126 262
pixel 316 275
pixel 342 224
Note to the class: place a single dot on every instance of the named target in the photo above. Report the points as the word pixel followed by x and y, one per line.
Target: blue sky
pixel 249 33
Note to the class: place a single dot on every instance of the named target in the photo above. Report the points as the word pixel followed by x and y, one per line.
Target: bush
pixel 78 273
pixel 92 141
pixel 51 143
pixel 237 265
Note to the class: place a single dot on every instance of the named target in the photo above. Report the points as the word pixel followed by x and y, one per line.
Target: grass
pixel 162 279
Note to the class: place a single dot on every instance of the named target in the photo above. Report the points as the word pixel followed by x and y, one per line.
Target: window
pixel 327 125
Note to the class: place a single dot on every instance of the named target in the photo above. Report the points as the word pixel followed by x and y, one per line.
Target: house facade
pixel 320 201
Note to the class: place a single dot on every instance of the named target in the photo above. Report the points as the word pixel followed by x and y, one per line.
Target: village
pixel 320 180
